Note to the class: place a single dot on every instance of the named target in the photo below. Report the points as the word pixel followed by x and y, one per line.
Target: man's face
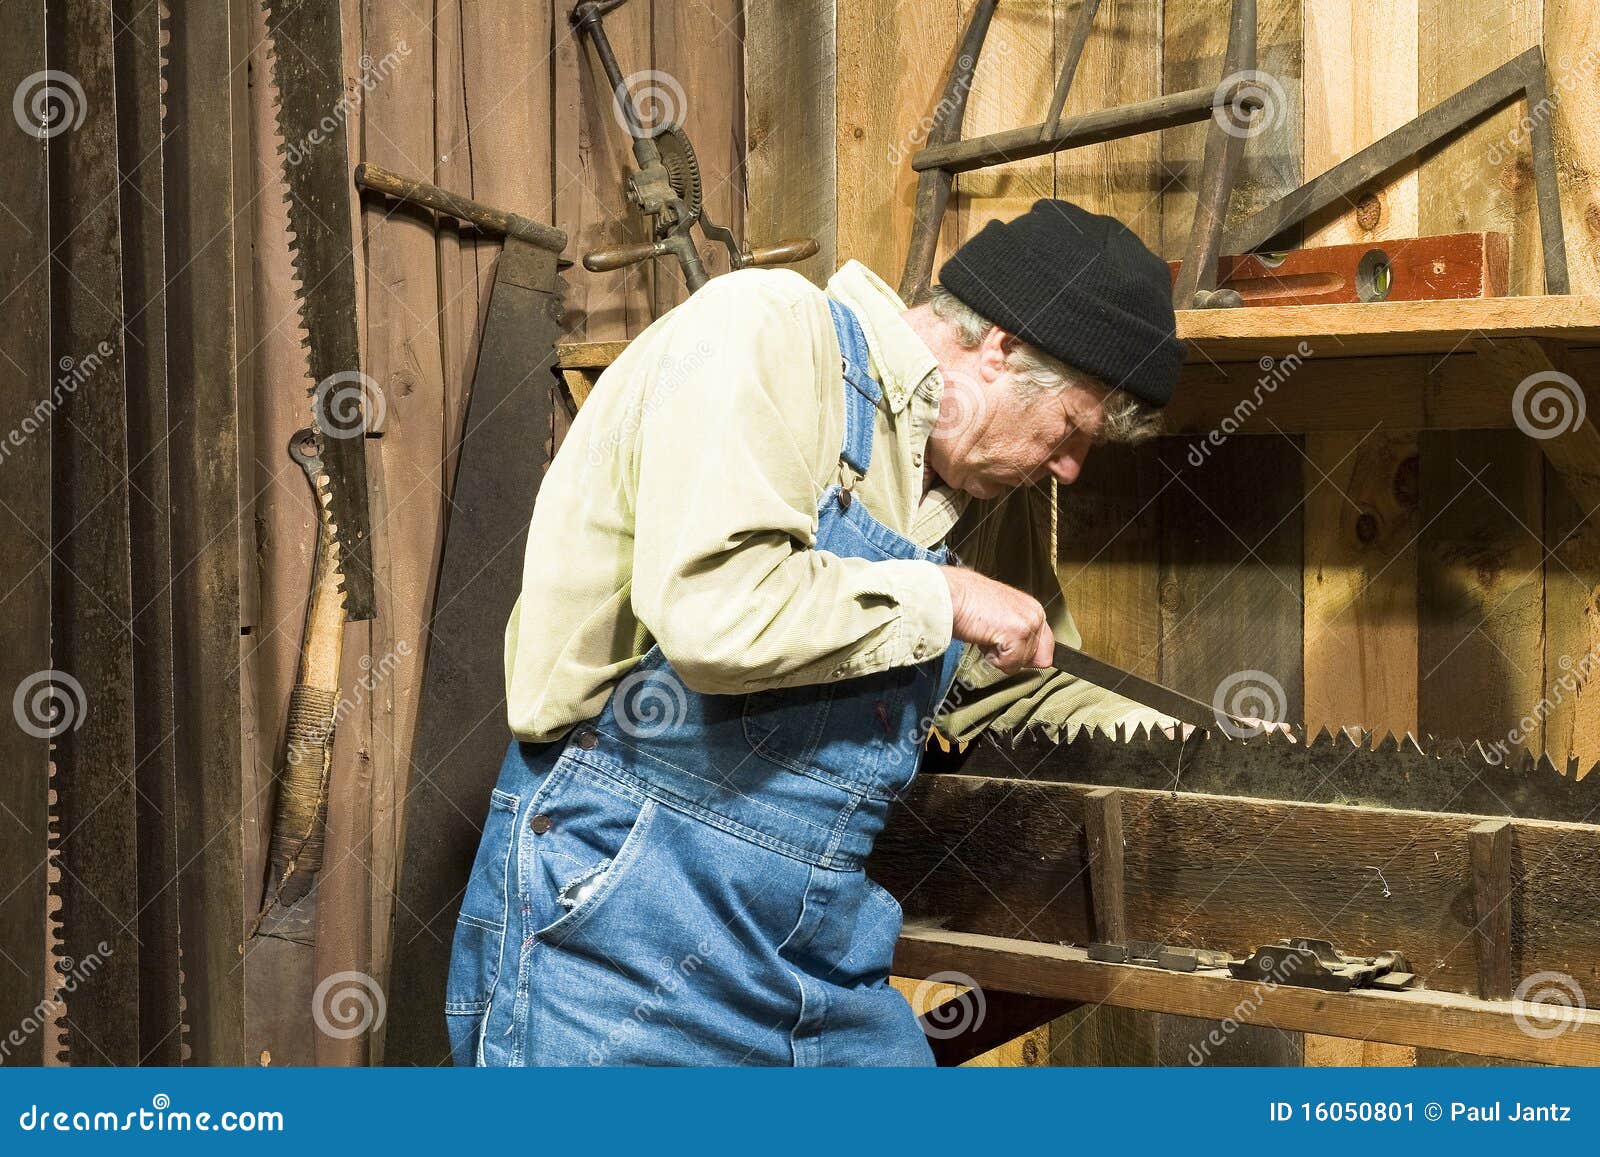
pixel 996 433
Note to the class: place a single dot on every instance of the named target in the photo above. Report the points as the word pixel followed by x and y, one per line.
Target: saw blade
pixel 312 105
pixel 1366 769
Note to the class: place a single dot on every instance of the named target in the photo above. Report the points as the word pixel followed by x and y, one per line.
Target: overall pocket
pixel 584 843
pixel 479 943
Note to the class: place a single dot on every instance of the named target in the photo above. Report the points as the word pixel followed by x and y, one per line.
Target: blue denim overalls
pixel 680 881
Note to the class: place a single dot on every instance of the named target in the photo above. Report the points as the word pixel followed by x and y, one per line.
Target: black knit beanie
pixel 1081 287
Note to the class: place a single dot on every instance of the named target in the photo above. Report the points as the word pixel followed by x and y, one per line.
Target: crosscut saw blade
pixel 311 103
pixel 1363 769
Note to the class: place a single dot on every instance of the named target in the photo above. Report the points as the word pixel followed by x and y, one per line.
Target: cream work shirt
pixel 682 507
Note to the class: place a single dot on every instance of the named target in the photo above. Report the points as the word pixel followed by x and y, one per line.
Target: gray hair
pixel 1127 419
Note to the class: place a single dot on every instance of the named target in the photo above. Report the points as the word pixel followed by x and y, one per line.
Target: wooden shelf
pixel 1413 1017
pixel 1386 328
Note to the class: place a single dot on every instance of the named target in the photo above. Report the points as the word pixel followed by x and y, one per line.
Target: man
pixel 782 526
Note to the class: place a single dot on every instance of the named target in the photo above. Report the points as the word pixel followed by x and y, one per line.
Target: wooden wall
pixel 1478 578
pixel 495 99
pixel 1435 580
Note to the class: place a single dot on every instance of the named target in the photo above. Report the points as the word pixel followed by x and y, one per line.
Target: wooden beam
pixel 1103 830
pixel 1003 857
pixel 791 125
pixel 1492 890
pixel 1413 1017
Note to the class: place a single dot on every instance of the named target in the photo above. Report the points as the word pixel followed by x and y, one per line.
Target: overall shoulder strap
pixel 861 391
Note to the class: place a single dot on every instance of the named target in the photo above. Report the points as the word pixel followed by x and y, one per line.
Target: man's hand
pixel 1007 625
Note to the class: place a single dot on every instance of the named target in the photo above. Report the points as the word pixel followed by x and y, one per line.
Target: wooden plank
pixel 1413 1018
pixel 405 353
pixel 276 1028
pixel 1481 647
pixel 1231 573
pixel 893 62
pixel 1196 35
pixel 1121 63
pixel 1361 580
pixel 593 157
pixel 1571 29
pixel 1483 179
pixel 1015 76
pixel 25 565
pixel 1386 327
pixel 1002 857
pixel 1489 845
pixel 791 125
pixel 1103 832
pixel 700 45
pixel 202 205
pixel 1360 83
pixel 1572 622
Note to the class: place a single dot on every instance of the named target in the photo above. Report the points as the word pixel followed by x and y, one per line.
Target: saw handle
pixel 412 191
pixel 605 260
pixel 784 252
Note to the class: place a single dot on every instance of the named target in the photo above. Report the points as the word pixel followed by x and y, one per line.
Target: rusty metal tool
pixel 668 187
pixel 1150 694
pixel 501 453
pixel 1520 79
pixel 1309 962
pixel 1229 103
pixel 309 90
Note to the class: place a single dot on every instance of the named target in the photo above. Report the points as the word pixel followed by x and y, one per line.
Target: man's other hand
pixel 1007 625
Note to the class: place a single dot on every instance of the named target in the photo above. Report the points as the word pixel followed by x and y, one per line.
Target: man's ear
pixel 993 351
